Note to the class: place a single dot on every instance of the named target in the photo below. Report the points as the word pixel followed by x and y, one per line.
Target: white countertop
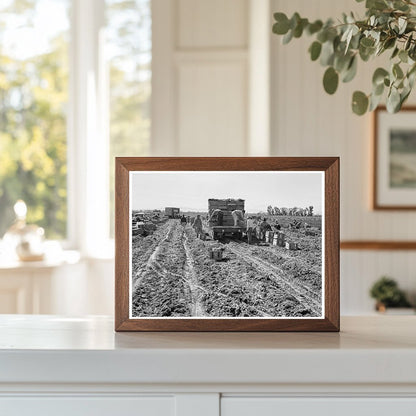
pixel 46 349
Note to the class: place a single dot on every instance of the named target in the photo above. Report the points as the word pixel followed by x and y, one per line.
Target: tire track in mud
pixel 151 262
pixel 161 288
pixel 300 292
pixel 170 260
pixel 191 279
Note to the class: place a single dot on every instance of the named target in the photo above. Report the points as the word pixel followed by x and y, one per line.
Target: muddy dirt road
pixel 172 275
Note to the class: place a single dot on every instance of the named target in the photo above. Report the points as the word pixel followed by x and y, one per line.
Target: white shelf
pixel 48 349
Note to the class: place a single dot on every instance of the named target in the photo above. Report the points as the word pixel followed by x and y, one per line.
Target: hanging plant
pixel 389 27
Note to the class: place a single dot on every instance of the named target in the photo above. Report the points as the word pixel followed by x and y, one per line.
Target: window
pixel 75 87
pixel 129 43
pixel 33 102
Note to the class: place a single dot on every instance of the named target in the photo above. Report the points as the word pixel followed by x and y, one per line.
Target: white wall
pixel 200 77
pixel 308 122
pixel 211 92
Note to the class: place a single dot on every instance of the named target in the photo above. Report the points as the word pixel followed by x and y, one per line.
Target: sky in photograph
pixel 190 191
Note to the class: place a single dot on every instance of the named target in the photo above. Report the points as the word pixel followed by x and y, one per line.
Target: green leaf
pixel 389 43
pixel 374 101
pixel 376 4
pixel 366 53
pixel 341 61
pixel 330 80
pixel 314 27
pixel 397 71
pixel 327 53
pixel 379 75
pixel 359 103
pixel 294 20
pixel 402 24
pixel 403 96
pixel 367 42
pixel 281 27
pixel 393 101
pixel 315 50
pixel 288 37
pixel 355 41
pixel 395 52
pixel 378 89
pixel 348 35
pixel 400 5
pixel 298 30
pixel 403 56
pixel 351 71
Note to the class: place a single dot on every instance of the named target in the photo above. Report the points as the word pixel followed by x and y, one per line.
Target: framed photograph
pixel 394 162
pixel 227 244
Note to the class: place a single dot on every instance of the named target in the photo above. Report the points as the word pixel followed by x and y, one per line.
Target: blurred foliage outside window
pixel 129 51
pixel 34 73
pixel 33 101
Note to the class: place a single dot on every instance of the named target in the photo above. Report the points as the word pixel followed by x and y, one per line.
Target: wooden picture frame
pixel 390 191
pixel 131 171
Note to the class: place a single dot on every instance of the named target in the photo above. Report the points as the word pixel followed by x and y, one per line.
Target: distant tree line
pixel 295 211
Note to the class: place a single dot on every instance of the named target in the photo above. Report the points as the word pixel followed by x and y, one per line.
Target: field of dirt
pixel 173 275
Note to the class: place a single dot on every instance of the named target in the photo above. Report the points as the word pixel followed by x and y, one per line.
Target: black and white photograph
pixel 226 244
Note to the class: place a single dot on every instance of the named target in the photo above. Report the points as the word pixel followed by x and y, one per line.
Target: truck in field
pixel 172 212
pixel 221 222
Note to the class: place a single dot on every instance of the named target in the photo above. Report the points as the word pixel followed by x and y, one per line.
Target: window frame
pixel 87 133
pixel 87 128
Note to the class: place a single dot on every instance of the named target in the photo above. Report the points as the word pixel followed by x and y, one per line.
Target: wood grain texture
pixel 121 244
pixel 332 226
pixel 329 165
pixel 378 245
pixel 376 204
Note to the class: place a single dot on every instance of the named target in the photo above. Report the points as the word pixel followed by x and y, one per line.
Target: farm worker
pixel 277 226
pixel 220 217
pixel 183 220
pixel 214 216
pixel 264 226
pixel 238 217
pixel 251 229
pixel 198 225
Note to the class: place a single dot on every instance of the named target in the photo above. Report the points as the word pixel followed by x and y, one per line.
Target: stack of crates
pixel 269 237
pixel 279 239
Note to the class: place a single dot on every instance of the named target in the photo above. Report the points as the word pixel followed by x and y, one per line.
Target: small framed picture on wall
pixel 394 159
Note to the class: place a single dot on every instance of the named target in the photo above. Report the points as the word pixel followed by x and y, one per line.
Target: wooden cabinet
pixel 80 366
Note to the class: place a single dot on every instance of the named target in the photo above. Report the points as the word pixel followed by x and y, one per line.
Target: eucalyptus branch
pixel 388 25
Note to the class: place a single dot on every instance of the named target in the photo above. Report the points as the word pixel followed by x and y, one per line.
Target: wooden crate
pixel 279 239
pixel 291 245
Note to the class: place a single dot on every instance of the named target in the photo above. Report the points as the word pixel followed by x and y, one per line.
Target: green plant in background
pixel 387 294
pixel 389 27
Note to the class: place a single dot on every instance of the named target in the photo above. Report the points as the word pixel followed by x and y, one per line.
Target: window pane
pixel 33 100
pixel 129 46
